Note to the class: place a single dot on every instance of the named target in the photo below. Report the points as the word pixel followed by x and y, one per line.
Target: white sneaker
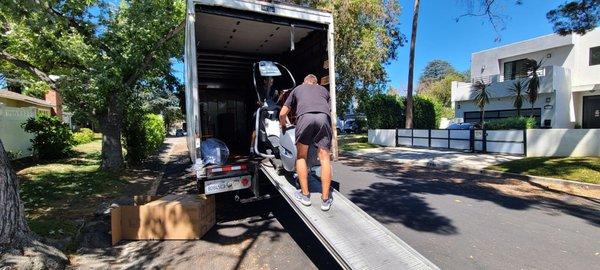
pixel 326 204
pixel 304 199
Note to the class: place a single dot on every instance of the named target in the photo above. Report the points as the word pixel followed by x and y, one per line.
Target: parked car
pixel 180 132
pixel 466 126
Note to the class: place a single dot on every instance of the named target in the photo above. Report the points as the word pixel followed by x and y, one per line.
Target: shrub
pixel 84 135
pixel 425 114
pixel 384 111
pixel 388 111
pixel 143 136
pixel 511 123
pixel 53 139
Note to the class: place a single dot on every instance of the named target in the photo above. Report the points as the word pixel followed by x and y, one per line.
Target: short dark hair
pixel 310 79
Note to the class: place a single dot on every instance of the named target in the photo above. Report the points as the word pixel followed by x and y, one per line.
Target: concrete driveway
pixel 468 221
pixel 435 157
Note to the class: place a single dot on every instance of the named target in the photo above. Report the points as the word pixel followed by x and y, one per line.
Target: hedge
pixel 384 111
pixel 84 135
pixel 143 136
pixel 388 112
pixel 511 123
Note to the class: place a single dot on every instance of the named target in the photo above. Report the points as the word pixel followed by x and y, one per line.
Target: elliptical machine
pixel 271 142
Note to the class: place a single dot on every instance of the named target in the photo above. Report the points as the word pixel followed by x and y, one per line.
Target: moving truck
pixel 223 41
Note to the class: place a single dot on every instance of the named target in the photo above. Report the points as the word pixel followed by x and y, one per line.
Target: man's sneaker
pixel 304 199
pixel 326 204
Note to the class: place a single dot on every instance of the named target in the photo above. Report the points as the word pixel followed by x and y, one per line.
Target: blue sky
pixel 440 37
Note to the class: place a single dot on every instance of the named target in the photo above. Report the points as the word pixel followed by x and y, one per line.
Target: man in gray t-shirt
pixel 313 126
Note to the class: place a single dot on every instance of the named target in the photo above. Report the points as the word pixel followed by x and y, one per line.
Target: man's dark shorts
pixel 314 128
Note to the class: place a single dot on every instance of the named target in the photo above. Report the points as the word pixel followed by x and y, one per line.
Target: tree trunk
pixel 411 67
pixel 110 125
pixel 13 225
pixel 482 117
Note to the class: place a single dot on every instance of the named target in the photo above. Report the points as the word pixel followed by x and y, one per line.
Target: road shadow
pixel 400 200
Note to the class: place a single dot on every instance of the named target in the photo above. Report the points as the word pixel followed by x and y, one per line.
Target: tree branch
pixel 149 57
pixel 75 24
pixel 29 68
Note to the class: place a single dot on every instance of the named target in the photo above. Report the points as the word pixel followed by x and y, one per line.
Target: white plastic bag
pixel 214 151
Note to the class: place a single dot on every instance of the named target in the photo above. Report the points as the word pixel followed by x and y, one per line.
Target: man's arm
pixel 283 115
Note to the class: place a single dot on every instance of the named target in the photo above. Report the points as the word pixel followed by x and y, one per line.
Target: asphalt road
pixel 464 221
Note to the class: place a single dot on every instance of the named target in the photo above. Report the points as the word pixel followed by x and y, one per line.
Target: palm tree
pixel 533 85
pixel 482 97
pixel 411 66
pixel 517 89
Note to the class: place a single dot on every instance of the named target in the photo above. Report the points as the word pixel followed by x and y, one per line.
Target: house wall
pixel 583 73
pixel 14 138
pixel 487 63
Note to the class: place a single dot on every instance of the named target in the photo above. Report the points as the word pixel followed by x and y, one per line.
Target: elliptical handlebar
pixel 254 78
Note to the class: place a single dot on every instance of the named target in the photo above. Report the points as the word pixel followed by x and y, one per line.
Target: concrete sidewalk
pixel 434 157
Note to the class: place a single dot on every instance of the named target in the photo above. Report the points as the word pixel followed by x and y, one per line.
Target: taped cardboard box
pixel 173 217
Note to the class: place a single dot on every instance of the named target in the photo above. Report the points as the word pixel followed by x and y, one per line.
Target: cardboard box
pixel 173 217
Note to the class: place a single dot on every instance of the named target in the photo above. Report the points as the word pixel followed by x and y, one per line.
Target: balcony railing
pixel 499 87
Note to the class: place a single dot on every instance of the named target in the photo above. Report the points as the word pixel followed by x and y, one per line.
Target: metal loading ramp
pixel 355 239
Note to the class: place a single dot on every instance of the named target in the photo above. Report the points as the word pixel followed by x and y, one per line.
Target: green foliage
pixel 518 89
pixel 384 111
pixel 577 126
pixel 104 52
pixel 482 94
pixel 511 123
pixel 440 90
pixel 144 136
pixel 580 16
pixel 53 139
pixel 387 111
pixel 84 135
pixel 37 90
pixel 367 34
pixel 436 70
pixel 533 84
pixel 425 115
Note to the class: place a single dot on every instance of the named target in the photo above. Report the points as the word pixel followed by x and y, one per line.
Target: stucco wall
pixel 563 142
pixel 14 138
pixel 383 137
pixel 489 62
pixel 583 73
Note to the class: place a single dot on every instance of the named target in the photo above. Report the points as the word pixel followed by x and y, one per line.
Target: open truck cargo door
pixel 224 36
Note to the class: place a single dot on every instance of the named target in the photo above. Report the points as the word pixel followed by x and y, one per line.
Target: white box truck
pixel 223 41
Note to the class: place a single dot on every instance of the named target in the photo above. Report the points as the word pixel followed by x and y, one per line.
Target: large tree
pixel 19 248
pixel 575 17
pixel 435 70
pixel 367 35
pixel 101 53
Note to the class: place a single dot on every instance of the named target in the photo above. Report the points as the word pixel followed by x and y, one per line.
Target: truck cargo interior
pixel 227 44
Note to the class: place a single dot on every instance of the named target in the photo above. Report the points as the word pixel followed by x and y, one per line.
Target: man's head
pixel 310 79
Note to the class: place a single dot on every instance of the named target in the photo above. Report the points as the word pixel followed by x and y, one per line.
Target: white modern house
pixel 569 81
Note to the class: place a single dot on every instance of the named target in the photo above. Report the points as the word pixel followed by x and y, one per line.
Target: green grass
pixel 582 169
pixel 353 142
pixel 58 193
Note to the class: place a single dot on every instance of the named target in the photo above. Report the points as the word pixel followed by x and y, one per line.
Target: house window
pixel 595 56
pixel 515 69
